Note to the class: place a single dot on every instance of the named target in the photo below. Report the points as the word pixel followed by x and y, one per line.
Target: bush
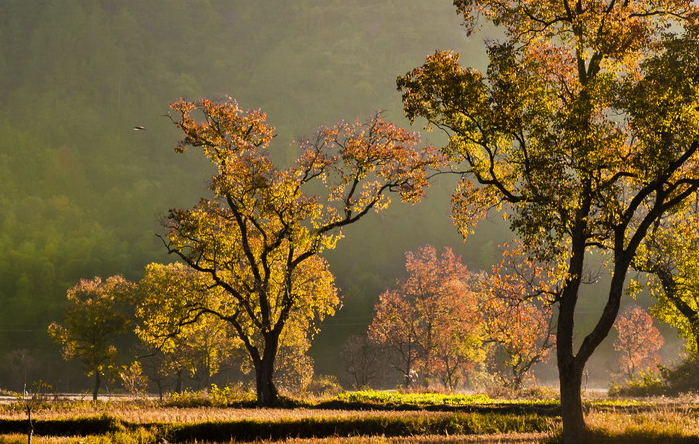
pixel 683 378
pixel 211 397
pixel 670 381
pixel 324 386
pixel 642 385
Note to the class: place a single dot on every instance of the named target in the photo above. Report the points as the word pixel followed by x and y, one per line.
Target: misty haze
pixel 461 207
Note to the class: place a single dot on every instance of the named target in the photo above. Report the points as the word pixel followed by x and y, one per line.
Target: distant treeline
pixel 81 191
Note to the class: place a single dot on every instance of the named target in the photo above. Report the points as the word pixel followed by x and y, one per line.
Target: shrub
pixel 643 384
pixel 670 381
pixel 324 386
pixel 211 397
pixel 684 377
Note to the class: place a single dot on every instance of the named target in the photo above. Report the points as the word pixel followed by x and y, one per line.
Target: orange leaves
pixel 259 237
pixel 226 129
pixel 638 341
pixel 518 311
pixel 432 320
pixel 360 162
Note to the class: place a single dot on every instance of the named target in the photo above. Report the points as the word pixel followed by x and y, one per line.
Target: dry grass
pixel 521 438
pixel 201 414
pixel 663 420
pixel 518 438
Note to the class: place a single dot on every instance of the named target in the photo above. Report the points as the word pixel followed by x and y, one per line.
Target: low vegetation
pixel 361 417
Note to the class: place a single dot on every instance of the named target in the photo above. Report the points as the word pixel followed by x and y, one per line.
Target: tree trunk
pixel 570 377
pixel 267 394
pixel 98 382
pixel 266 391
pixel 178 383
pixel 569 367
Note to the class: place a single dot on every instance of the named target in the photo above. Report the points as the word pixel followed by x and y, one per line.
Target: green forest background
pixel 81 191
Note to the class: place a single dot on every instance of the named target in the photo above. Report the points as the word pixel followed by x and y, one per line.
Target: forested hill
pixel 80 190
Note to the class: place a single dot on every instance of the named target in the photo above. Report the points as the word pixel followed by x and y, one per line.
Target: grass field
pixel 356 417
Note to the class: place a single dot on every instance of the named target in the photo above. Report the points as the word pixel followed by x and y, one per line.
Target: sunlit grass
pixel 433 399
pixel 662 421
pixel 398 418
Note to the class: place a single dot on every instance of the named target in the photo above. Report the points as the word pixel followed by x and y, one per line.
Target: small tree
pixel 395 326
pixel 94 319
pixel 259 237
pixel 170 321
pixel 361 358
pixel 432 320
pixel 518 314
pixel 637 342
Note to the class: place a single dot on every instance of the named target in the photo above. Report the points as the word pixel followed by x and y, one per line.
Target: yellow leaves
pixel 94 318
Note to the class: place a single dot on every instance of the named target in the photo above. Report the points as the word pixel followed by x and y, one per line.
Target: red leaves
pixel 638 341
pixel 432 320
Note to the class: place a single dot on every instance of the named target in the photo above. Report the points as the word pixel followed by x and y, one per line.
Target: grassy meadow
pixel 350 418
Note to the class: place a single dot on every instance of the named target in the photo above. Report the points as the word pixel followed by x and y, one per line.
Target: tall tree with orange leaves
pixel 584 130
pixel 259 237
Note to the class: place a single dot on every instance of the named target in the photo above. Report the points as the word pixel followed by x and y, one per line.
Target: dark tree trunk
pixel 98 382
pixel 267 394
pixel 178 383
pixel 569 367
pixel 574 429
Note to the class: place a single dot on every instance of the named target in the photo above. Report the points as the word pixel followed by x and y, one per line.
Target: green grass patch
pixel 366 425
pixel 77 426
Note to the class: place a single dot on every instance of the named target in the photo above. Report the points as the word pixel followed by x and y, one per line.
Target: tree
pixel 518 313
pixel 362 360
pixel 260 236
pixel 94 319
pixel 432 320
pixel 670 257
pixel 394 326
pixel 638 341
pixel 169 322
pixel 584 130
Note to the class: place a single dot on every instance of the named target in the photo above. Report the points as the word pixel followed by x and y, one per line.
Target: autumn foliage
pixel 259 236
pixel 518 313
pixel 637 342
pixel 584 131
pixel 93 321
pixel 431 321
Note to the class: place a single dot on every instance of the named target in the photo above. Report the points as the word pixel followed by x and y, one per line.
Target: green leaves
pixel 96 316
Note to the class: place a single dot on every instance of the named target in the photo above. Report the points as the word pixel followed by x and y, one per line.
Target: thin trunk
pixel 98 382
pixel 30 429
pixel 178 383
pixel 160 389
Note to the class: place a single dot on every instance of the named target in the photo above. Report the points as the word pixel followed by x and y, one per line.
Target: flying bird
pixel 139 128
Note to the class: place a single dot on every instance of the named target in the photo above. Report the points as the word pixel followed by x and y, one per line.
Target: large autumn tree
pixel 259 236
pixel 584 130
pixel 432 321
pixel 96 316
